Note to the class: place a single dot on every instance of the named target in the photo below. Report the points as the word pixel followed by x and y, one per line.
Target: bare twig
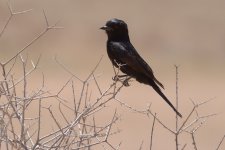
pixel 177 105
pixel 193 141
pixel 140 148
pixel 184 147
pixel 32 41
pixel 153 125
pixel 218 147
pixel 12 13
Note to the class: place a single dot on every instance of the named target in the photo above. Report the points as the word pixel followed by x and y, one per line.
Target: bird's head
pixel 116 30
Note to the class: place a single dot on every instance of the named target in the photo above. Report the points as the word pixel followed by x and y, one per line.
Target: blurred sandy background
pixel 189 33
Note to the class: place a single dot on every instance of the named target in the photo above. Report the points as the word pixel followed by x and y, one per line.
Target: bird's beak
pixel 105 28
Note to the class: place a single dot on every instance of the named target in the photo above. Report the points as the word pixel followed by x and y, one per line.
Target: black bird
pixel 123 55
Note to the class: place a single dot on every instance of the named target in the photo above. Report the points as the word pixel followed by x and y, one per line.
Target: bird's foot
pixel 126 82
pixel 120 78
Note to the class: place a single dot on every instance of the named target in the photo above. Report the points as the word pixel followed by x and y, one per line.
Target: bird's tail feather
pixel 157 89
pixel 159 83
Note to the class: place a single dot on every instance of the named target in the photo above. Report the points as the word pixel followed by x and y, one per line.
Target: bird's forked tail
pixel 158 90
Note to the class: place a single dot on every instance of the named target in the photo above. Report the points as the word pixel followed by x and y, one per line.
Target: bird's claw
pixel 126 83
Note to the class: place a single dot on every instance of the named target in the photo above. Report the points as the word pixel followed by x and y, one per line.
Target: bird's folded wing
pixel 126 54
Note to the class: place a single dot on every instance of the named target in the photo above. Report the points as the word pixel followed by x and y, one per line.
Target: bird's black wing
pixel 125 53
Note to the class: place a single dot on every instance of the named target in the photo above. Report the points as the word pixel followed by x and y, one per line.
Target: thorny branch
pixel 76 131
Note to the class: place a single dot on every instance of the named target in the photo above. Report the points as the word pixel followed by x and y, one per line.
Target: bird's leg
pixel 118 77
